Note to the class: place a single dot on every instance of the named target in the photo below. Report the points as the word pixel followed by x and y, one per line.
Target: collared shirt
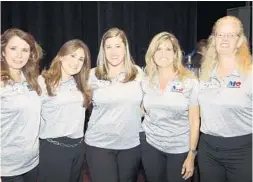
pixel 62 115
pixel 115 120
pixel 226 105
pixel 20 121
pixel 166 122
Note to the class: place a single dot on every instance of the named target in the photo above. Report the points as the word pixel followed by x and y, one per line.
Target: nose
pixel 19 53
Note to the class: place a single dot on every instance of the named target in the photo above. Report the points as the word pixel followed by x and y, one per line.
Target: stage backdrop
pixel 54 23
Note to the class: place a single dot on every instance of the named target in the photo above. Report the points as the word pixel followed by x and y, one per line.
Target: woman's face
pixel 16 53
pixel 164 54
pixel 226 37
pixel 114 51
pixel 72 63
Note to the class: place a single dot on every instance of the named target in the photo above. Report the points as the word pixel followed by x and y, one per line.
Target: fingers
pixel 188 174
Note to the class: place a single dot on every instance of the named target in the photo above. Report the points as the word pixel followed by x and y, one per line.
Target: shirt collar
pixel 214 72
pixel 71 79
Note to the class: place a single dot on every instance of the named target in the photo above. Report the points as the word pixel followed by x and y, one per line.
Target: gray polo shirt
pixel 115 120
pixel 226 105
pixel 62 115
pixel 166 122
pixel 20 121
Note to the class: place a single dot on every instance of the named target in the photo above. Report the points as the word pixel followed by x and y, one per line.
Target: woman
pixel 65 99
pixel 171 121
pixel 225 97
pixel 20 106
pixel 112 137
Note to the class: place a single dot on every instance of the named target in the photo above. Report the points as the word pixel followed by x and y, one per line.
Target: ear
pixel 3 53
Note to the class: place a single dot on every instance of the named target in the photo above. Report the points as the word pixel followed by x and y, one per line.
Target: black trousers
pixel 108 165
pixel 30 176
pixel 160 166
pixel 59 163
pixel 225 159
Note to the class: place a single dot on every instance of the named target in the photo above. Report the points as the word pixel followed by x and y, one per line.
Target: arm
pixel 194 122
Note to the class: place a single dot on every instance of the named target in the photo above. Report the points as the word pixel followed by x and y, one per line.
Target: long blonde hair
pixel 102 69
pixel 31 69
pixel 210 59
pixel 53 74
pixel 151 68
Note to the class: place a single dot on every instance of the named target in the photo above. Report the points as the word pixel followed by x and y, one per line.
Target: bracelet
pixel 193 151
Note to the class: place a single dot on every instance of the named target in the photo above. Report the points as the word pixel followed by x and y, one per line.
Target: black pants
pixel 107 165
pixel 225 159
pixel 30 176
pixel 160 166
pixel 61 163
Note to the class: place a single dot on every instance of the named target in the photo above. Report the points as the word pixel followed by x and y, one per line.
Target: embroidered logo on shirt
pixel 234 84
pixel 177 88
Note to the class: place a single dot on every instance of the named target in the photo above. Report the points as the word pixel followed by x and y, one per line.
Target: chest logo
pixel 234 84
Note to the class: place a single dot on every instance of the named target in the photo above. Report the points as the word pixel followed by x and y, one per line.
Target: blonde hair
pixel 53 74
pixel 31 69
pixel 101 71
pixel 152 69
pixel 210 59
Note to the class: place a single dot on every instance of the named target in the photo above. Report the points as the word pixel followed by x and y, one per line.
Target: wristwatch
pixel 193 151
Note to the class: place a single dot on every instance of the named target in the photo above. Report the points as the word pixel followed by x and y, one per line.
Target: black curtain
pixel 54 23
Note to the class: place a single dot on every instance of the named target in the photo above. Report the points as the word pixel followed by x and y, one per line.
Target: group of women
pixel 42 115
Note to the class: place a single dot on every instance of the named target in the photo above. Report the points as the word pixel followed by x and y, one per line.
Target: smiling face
pixel 16 53
pixel 72 63
pixel 226 37
pixel 114 51
pixel 164 55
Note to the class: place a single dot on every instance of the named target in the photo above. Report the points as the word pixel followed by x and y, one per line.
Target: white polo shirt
pixel 166 122
pixel 20 121
pixel 226 105
pixel 115 120
pixel 62 115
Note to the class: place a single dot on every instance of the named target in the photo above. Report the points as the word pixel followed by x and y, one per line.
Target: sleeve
pixel 249 86
pixel 141 74
pixel 92 81
pixel 193 98
pixel 42 84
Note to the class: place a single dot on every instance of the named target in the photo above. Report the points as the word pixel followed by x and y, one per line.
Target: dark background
pixel 54 23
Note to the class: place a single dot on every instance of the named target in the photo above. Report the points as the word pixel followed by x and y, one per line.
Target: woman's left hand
pixel 188 166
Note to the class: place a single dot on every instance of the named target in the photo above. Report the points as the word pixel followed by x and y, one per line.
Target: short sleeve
pixel 140 74
pixel 193 98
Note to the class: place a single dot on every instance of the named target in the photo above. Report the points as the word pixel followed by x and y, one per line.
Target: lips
pixel 224 45
pixel 18 61
pixel 73 67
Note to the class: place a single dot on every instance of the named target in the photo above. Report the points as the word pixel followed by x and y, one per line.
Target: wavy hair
pixel 152 69
pixel 53 74
pixel 31 69
pixel 210 59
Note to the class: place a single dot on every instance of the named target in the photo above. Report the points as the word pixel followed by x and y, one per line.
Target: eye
pixel 219 35
pixel 72 55
pixel 25 50
pixel 13 48
pixel 159 49
pixel 81 59
pixel 168 49
pixel 118 46
pixel 108 47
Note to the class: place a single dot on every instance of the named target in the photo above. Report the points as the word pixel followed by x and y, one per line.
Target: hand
pixel 188 166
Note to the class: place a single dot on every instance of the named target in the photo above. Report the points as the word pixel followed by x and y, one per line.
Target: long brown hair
pixel 31 69
pixel 53 74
